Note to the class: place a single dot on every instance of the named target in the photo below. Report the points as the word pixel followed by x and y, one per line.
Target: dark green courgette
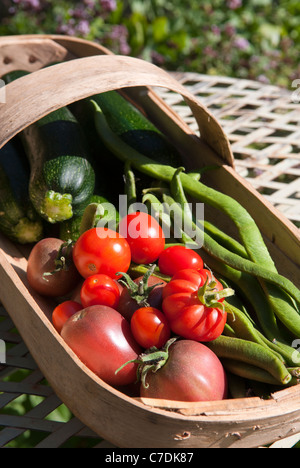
pixel 18 219
pixel 135 129
pixel 62 177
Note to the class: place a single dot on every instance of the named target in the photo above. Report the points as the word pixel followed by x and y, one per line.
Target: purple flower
pixel 67 29
pixel 83 27
pixel 229 29
pixel 157 59
pixel 241 43
pixel 89 3
pixel 78 13
pixel 263 79
pixel 108 5
pixel 117 39
pixel 216 30
pixel 118 31
pixel 210 52
pixel 234 4
pixel 124 47
pixel 34 5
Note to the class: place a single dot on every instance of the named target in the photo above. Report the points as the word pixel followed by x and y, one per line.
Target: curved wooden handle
pixel 33 96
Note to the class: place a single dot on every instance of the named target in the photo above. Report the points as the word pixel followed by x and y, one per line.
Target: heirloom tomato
pixel 190 372
pixel 103 341
pixel 193 305
pixel 50 268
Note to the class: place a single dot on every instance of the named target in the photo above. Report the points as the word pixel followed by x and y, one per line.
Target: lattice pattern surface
pixel 262 123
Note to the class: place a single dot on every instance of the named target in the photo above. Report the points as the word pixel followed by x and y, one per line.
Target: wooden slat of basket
pixel 33 56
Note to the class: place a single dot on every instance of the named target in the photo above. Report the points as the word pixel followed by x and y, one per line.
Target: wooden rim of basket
pixel 33 96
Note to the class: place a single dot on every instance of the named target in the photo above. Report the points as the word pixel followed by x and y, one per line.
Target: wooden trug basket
pixel 87 69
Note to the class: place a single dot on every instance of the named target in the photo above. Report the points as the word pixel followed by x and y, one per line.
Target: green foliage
pixel 256 39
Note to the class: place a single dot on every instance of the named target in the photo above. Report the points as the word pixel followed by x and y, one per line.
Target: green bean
pixel 156 209
pixel 260 389
pixel 286 312
pixel 141 270
pixel 178 193
pixel 130 185
pixel 236 300
pixel 91 214
pixel 245 330
pixel 252 291
pixel 229 331
pixel 294 371
pixel 248 230
pixel 252 353
pixel 284 308
pixel 236 386
pixel 235 261
pixel 224 239
pixel 250 372
pixel 275 338
pixel 281 304
pixel 290 354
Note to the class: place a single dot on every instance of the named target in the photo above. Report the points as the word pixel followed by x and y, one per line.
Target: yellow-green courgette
pixel 18 219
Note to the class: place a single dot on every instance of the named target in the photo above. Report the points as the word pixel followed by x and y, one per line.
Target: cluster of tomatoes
pixel 111 319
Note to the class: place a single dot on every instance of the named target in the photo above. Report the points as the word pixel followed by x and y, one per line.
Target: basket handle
pixel 29 52
pixel 35 95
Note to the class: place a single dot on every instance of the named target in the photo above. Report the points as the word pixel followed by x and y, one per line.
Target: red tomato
pixel 179 257
pixel 128 303
pixel 189 280
pixel 63 312
pixel 192 372
pixel 144 235
pixel 103 341
pixel 205 273
pixel 101 250
pixel 100 290
pixel 192 312
pixel 150 327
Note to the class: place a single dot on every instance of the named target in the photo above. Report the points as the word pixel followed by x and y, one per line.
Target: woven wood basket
pixel 87 69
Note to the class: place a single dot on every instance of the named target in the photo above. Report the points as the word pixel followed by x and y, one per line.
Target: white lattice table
pixel 262 123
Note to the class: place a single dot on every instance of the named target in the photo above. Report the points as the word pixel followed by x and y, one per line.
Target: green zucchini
pixel 70 229
pixel 18 219
pixel 62 177
pixel 135 129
